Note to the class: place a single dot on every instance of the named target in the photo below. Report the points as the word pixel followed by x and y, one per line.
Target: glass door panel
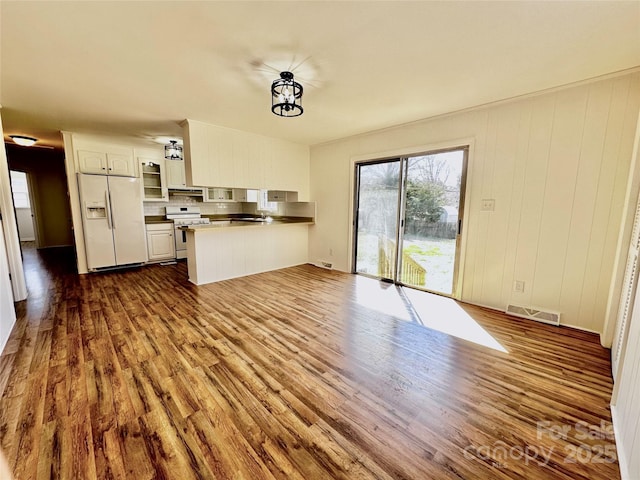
pixel 433 202
pixel 376 231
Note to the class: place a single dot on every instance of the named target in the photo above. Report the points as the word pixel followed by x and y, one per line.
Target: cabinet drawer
pixel 160 227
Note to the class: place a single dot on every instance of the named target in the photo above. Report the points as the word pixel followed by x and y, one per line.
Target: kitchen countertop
pixel 238 216
pixel 225 223
pixel 149 219
pixel 237 222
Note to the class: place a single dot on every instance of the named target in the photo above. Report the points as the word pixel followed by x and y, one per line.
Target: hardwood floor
pixel 302 373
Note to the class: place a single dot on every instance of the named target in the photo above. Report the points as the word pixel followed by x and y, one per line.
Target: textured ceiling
pixel 139 68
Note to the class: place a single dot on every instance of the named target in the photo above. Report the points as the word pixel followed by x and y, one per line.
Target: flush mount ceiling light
pixel 286 96
pixel 23 141
pixel 173 151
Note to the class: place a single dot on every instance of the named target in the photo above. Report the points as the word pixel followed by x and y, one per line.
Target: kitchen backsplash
pixel 293 209
pixel 207 208
pixel 299 209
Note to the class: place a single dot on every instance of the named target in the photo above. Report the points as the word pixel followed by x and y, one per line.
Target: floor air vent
pixel 552 318
pixel 323 264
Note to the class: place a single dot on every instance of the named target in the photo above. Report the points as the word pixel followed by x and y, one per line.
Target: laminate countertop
pixel 239 222
pixel 150 219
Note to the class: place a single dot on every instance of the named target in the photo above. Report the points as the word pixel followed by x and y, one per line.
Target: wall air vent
pixel 323 264
pixel 543 316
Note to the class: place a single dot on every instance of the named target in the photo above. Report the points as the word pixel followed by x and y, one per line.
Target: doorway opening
pixel 46 194
pixel 409 218
pixel 22 201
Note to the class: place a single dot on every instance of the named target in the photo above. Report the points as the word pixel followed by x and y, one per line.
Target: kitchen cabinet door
pixel 121 165
pixel 104 163
pixel 175 174
pixel 218 194
pixel 245 195
pixel 153 180
pixel 92 162
pixel 281 196
pixel 161 244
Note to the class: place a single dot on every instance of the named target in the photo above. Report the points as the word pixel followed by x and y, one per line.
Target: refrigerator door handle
pixel 107 201
pixel 113 218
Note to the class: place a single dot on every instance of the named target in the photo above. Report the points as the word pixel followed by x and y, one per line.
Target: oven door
pixel 181 242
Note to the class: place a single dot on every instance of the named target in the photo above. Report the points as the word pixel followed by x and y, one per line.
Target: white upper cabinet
pixel 174 171
pixel 92 162
pixel 106 163
pixel 153 179
pixel 217 194
pixel 281 196
pixel 122 165
pixel 245 195
pixel 222 156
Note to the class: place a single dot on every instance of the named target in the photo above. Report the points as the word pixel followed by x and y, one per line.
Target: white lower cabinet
pixel 161 244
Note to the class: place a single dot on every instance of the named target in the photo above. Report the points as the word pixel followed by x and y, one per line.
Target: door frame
pixel 354 213
pixel 456 144
pixel 10 227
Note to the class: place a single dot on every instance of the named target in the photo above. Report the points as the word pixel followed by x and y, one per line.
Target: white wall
pixel 556 165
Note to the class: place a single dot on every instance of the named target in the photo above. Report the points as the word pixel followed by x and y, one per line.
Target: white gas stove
pixel 182 217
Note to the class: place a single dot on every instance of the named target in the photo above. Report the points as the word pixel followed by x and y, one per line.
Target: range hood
pixel 186 192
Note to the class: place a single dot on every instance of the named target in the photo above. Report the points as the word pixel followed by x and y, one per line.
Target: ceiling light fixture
pixel 173 151
pixel 22 140
pixel 286 96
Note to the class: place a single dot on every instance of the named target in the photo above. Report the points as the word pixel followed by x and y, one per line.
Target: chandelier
pixel 173 151
pixel 286 96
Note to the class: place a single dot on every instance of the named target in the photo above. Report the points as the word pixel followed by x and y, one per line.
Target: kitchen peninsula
pixel 220 156
pixel 244 246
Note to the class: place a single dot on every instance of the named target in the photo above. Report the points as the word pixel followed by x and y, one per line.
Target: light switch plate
pixel 488 205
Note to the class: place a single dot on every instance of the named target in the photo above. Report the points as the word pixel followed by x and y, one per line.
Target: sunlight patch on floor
pixel 433 311
pixel 446 316
pixel 382 297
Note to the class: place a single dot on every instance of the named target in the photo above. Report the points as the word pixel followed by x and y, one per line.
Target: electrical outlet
pixel 488 205
pixel 331 252
pixel 518 286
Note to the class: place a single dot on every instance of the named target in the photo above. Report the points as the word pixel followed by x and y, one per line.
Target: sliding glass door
pixel 409 219
pixel 378 201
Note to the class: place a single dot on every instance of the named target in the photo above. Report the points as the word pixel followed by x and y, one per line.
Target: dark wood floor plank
pixel 301 373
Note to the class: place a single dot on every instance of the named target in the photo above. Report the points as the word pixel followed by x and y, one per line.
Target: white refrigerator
pixel 113 220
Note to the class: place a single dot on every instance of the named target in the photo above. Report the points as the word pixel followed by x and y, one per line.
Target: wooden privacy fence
pixel 412 272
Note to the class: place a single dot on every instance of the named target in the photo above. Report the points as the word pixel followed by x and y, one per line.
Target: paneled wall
pixel 556 165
